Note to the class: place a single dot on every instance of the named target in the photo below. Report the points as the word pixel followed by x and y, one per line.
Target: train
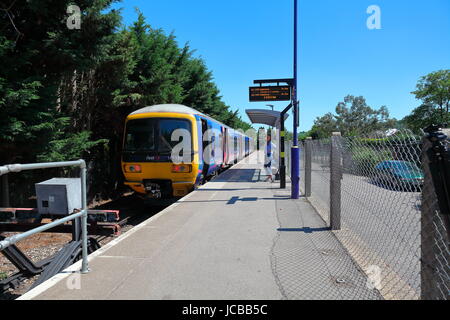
pixel 171 149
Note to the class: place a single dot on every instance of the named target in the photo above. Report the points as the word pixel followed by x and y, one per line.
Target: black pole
pixel 282 155
pixel 282 150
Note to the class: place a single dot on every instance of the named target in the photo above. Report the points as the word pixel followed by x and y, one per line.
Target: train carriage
pixel 170 149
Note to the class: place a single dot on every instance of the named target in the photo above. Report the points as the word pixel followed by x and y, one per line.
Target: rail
pixel 16 168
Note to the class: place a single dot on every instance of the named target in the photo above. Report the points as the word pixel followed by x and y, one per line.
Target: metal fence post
pixel 308 168
pixel 295 171
pixel 335 181
pixel 15 168
pixel 5 191
pixel 435 276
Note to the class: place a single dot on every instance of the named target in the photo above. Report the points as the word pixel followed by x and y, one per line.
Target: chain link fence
pixel 376 194
pixel 320 176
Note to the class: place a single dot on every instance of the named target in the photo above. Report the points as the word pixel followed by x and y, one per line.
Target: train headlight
pixel 132 168
pixel 182 168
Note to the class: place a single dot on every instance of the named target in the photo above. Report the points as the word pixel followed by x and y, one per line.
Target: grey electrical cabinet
pixel 59 196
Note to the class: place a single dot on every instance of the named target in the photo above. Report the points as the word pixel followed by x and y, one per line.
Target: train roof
pixel 177 108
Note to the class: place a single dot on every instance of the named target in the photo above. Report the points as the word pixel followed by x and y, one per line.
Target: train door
pixel 247 146
pixel 236 149
pixel 240 149
pixel 206 164
pixel 225 147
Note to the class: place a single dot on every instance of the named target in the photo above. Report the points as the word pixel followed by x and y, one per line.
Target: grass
pixel 3 275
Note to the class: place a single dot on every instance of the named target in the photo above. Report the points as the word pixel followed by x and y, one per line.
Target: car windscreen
pixel 398 166
pixel 406 166
pixel 153 134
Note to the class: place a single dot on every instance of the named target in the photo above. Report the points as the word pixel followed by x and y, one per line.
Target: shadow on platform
pixel 240 175
pixel 236 199
pixel 305 230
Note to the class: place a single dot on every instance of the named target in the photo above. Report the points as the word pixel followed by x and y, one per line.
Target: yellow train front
pixel 152 136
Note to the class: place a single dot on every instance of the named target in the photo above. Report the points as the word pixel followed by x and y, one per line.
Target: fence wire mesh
pixel 302 165
pixel 381 209
pixel 320 177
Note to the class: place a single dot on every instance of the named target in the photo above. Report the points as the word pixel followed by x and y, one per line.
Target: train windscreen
pixel 153 136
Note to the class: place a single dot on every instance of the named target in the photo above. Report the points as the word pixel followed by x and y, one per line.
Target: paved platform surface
pixel 237 237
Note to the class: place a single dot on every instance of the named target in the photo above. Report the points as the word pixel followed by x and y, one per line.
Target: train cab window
pixel 153 134
pixel 140 135
pixel 166 129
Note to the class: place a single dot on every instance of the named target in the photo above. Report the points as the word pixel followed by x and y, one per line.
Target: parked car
pixel 399 174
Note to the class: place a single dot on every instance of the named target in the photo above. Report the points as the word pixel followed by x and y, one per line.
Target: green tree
pixel 424 116
pixel 65 94
pixel 353 117
pixel 323 126
pixel 434 91
pixel 37 50
pixel 166 73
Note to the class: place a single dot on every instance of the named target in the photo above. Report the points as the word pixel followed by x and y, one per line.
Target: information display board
pixel 270 93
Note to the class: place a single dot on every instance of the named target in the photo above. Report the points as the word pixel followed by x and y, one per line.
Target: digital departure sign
pixel 272 93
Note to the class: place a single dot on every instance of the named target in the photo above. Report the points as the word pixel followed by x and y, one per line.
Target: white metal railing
pixel 15 168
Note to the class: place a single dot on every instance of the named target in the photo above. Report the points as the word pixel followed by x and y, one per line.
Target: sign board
pixel 272 93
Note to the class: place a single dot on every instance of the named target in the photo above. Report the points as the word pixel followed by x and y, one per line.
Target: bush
pixel 365 159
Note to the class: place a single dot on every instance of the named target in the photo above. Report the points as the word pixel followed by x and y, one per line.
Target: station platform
pixel 235 238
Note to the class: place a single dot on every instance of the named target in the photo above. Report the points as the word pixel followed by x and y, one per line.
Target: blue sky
pixel 243 40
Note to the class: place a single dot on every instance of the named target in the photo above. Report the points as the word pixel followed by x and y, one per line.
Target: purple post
pixel 295 151
pixel 295 166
